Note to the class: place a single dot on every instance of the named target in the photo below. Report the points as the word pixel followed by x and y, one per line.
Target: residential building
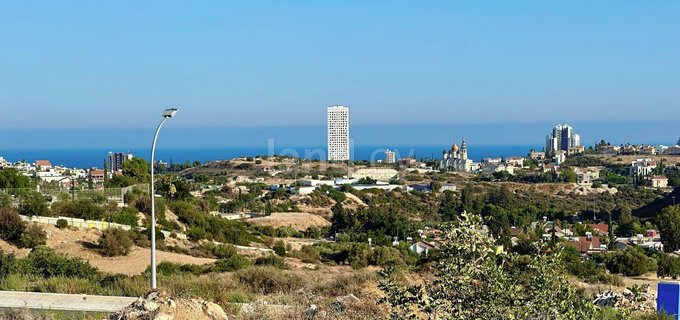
pixel 116 160
pixel 409 162
pixel 518 162
pixel 642 168
pixel 647 150
pixel 560 156
pixel 537 155
pixel 493 167
pixel 97 176
pixel 608 149
pixel 492 160
pixel 338 133
pixel 672 150
pixel 423 247
pixel 561 138
pixel 576 150
pixel 658 182
pixel 390 156
pixel 587 175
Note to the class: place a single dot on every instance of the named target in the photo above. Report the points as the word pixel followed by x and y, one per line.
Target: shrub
pixel 43 261
pixel 127 216
pixel 11 225
pixel 84 209
pixel 167 268
pixel 32 237
pixel 270 260
pixel 62 223
pixel 34 204
pixel 115 242
pixel 280 248
pixel 195 234
pixel 269 280
pixel 233 263
pixel 224 251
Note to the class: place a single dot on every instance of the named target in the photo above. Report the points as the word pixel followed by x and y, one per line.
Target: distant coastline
pixel 87 158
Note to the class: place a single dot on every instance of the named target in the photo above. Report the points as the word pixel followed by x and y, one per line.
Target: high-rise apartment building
pixel 562 138
pixel 338 133
pixel 390 156
pixel 116 160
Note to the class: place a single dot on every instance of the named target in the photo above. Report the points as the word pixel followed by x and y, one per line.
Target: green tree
pixel 448 206
pixel 13 179
pixel 626 221
pixel 137 169
pixel 668 222
pixel 33 204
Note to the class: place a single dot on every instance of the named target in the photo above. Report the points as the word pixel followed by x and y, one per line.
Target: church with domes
pixel 456 159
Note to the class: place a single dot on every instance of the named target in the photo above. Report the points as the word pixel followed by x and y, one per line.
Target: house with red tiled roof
pixel 587 244
pixel 600 228
pixel 43 164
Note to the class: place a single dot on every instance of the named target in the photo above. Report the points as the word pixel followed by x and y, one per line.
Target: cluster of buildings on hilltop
pixel 62 176
pixel 457 159
pixel 638 149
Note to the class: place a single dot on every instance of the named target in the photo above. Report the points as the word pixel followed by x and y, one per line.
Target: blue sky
pixel 264 66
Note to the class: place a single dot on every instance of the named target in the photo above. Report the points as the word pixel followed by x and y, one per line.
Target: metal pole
pixel 153 208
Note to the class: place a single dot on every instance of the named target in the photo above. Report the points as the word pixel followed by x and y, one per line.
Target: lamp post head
pixel 169 113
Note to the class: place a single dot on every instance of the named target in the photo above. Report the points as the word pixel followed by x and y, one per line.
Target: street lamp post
pixel 167 114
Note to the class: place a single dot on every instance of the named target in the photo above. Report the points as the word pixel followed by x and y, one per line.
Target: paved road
pixel 62 302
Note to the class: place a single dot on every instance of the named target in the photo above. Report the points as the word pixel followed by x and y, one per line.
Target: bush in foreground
pixel 233 263
pixel 115 242
pixel 11 225
pixel 32 237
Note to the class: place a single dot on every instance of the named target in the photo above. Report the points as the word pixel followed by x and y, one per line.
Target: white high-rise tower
pixel 338 133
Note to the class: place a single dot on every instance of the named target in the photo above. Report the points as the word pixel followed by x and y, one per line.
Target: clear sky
pixel 72 65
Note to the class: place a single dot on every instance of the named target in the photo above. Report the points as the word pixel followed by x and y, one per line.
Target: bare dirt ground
pixel 627 159
pixel 297 220
pixel 82 243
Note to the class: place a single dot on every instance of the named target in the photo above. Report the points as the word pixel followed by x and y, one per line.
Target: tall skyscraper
pixel 338 133
pixel 562 138
pixel 116 160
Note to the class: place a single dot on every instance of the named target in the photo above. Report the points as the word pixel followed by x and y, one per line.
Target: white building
pixel 561 138
pixel 338 133
pixel 390 156
pixel 642 167
pixel 456 159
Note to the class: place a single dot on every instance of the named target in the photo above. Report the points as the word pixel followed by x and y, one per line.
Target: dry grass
pixel 296 220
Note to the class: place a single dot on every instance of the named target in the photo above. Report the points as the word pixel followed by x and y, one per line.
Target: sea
pixel 88 158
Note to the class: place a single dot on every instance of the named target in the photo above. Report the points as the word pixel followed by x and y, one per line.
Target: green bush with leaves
pixel 43 261
pixel 33 204
pixel 233 263
pixel 279 248
pixel 115 242
pixel 11 225
pixel 270 260
pixel 474 281
pixel 62 223
pixel 127 216
pixel 32 237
